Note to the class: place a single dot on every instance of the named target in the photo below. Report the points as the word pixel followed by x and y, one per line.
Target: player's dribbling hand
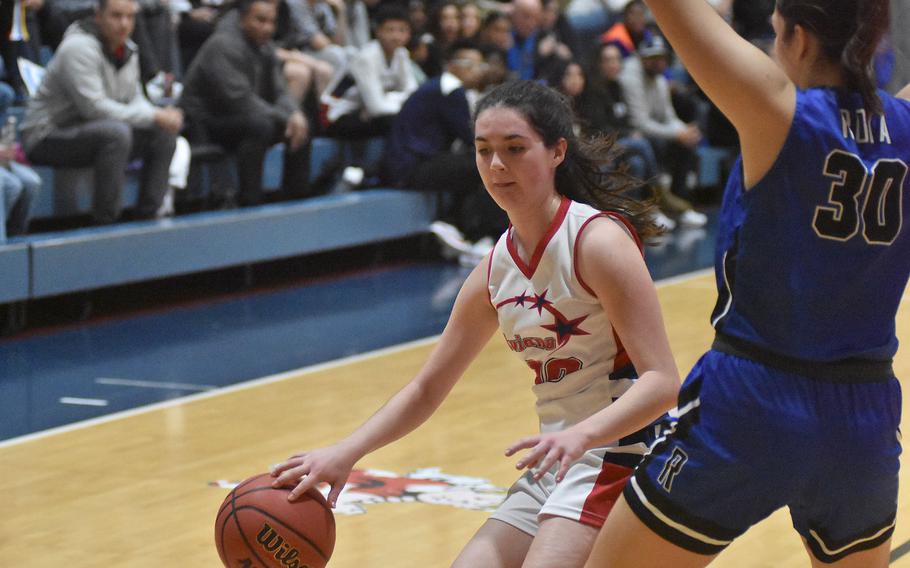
pixel 547 449
pixel 307 469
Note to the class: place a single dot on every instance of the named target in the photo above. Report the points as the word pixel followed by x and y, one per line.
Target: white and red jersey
pixel 553 320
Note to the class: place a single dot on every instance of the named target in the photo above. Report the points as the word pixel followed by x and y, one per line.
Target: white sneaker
pixel 451 238
pixel 688 237
pixel 663 221
pixel 166 209
pixel 692 218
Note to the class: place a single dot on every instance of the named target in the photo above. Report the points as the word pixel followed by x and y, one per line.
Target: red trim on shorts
pixel 607 489
pixel 529 269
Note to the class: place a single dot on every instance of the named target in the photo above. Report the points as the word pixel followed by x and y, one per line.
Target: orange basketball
pixel 257 527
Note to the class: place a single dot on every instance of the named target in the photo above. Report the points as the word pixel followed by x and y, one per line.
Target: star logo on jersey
pixel 565 328
pixel 541 302
pixel 517 300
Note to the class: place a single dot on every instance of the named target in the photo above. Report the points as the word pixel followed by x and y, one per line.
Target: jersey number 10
pixel 554 370
pixel 881 208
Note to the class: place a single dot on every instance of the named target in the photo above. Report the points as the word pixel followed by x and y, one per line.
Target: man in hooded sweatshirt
pixel 90 111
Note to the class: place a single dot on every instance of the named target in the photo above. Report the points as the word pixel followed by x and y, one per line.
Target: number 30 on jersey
pixel 880 206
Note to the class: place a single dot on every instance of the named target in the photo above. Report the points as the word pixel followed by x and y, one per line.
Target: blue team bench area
pixel 48 264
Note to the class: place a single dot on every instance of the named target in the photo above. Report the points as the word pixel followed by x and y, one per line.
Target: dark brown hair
pixel 586 174
pixel 849 32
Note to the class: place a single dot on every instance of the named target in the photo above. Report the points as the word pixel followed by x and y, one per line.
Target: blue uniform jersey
pixel 812 261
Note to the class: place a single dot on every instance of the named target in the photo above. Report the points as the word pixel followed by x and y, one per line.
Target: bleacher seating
pixel 14 272
pixel 48 264
pixel 90 258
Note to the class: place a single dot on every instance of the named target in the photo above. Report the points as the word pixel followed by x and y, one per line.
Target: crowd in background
pixel 151 79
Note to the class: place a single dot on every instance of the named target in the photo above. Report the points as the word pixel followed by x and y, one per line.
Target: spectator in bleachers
pixel 234 95
pixel 323 30
pixel 417 16
pixel 631 30
pixel 569 79
pixel 470 20
pixel 444 27
pixel 648 96
pixel 363 100
pixel 554 24
pixel 604 110
pixel 90 111
pixel 196 20
pixel 495 40
pixel 534 49
pixel 496 32
pixel 421 38
pixel 294 30
pixel 604 107
pixel 420 156
pixel 522 56
pixel 19 185
pixel 153 33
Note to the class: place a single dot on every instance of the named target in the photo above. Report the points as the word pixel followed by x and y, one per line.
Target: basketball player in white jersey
pixel 568 288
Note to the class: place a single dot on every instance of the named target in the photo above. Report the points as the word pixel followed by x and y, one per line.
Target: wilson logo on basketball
pixel 274 544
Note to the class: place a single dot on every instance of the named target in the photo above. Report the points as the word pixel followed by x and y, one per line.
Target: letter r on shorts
pixel 671 469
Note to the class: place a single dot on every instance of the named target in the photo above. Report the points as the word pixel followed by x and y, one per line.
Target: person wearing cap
pixel 651 107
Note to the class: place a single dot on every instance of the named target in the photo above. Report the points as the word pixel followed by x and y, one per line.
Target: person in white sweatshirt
pixel 364 99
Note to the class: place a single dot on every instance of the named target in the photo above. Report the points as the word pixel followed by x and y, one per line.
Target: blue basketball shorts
pixel 748 439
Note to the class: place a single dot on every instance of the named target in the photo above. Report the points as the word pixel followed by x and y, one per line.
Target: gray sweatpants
pixel 108 145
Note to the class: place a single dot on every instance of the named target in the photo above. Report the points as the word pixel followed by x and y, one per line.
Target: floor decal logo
pixel 426 485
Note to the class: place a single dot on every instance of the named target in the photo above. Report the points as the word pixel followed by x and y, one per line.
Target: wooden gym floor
pixel 141 489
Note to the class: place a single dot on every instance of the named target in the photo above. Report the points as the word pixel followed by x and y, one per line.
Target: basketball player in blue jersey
pixel 796 403
pixel 568 288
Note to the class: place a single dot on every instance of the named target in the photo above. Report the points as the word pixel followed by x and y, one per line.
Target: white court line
pixel 153 384
pixel 217 392
pixel 265 380
pixel 83 401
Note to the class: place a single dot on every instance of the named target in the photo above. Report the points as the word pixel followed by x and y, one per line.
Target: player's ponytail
pixel 849 32
pixel 587 173
pixel 858 55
